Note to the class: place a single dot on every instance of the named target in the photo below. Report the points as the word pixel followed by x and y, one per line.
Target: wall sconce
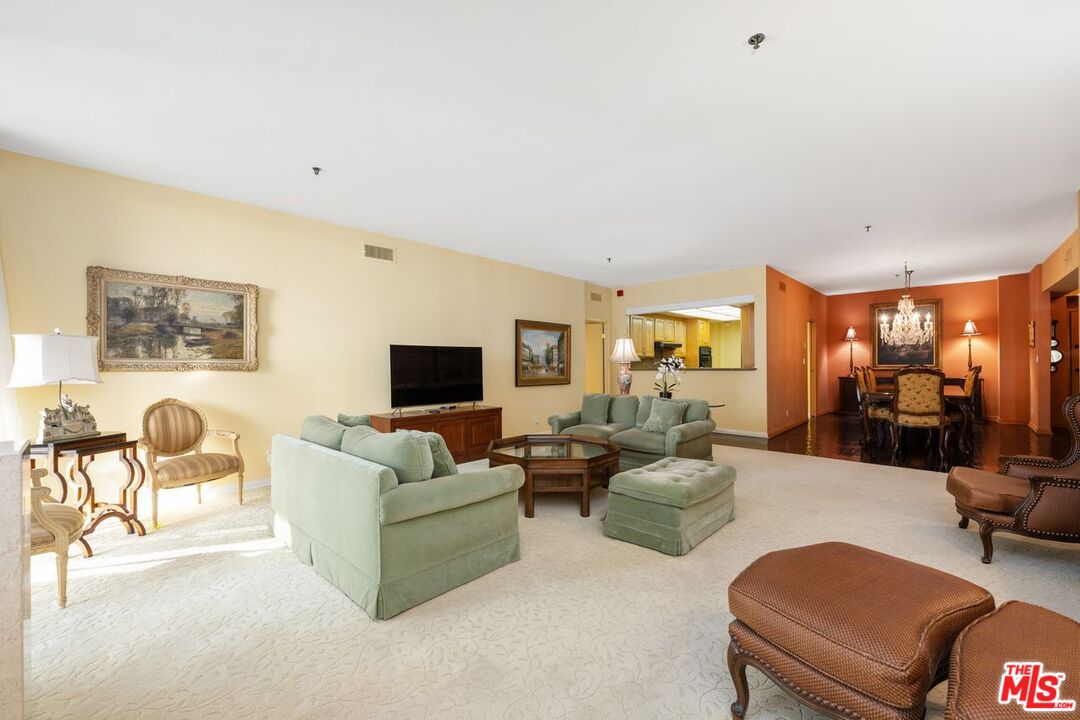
pixel 851 338
pixel 970 331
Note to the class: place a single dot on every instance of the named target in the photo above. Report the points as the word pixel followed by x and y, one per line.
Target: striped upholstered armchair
pixel 173 434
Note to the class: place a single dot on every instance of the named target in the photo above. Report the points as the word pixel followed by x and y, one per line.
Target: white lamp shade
pixel 851 333
pixel 48 359
pixel 624 351
pixel 969 328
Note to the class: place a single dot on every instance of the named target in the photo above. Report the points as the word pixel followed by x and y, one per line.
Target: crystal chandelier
pixel 907 327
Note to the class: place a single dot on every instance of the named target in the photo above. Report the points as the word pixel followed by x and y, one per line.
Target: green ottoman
pixel 671 505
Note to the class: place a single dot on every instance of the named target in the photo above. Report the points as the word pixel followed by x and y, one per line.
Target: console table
pixel 80 452
pixel 849 396
pixel 466 430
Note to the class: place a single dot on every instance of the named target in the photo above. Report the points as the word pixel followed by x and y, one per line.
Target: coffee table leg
pixel 528 494
pixel 585 483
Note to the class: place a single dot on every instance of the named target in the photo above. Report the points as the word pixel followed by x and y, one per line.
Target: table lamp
pixel 851 338
pixel 969 332
pixel 624 354
pixel 47 359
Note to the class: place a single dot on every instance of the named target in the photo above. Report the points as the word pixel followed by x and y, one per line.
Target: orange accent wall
pixel 787 312
pixel 977 301
pixel 1039 356
pixel 1014 392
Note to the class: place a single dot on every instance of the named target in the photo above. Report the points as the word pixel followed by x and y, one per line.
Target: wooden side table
pixel 80 453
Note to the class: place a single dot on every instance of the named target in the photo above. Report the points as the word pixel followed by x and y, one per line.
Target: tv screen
pixel 435 375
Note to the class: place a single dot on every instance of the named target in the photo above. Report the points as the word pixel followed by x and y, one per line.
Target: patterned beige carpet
pixel 211 617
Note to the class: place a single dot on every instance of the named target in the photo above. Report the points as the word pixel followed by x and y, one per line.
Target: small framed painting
pixel 170 322
pixel 543 353
pixel 888 355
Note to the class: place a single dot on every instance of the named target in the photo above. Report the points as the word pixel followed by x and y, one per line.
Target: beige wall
pixel 742 391
pixel 326 314
pixel 595 366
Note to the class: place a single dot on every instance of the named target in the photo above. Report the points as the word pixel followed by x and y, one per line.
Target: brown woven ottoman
pixel 1014 633
pixel 853 633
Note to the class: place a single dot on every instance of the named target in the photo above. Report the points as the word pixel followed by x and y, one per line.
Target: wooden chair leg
pixel 964 522
pixel 240 487
pixel 985 531
pixel 61 574
pixel 737 668
pixel 896 444
pixel 153 508
pixel 943 447
pixel 198 493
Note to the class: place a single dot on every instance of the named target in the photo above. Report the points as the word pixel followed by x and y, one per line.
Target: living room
pixel 588 554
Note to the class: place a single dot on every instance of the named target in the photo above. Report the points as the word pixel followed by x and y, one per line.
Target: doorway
pixel 811 370
pixel 595 355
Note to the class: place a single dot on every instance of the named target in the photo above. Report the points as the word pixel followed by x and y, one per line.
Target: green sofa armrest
pixel 559 423
pixel 686 432
pixel 413 500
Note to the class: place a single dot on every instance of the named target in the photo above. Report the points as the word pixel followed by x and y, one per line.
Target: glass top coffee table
pixel 558 463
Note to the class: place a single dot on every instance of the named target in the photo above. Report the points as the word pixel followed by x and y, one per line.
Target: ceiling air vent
pixel 378 252
pixel 596 297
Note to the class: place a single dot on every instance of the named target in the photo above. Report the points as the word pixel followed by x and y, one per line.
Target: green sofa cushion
pixel 664 415
pixel 647 442
pixel 696 410
pixel 601 431
pixel 407 455
pixel 443 461
pixel 643 409
pixel 354 420
pixel 414 500
pixel 678 482
pixel 321 430
pixel 623 410
pixel 594 408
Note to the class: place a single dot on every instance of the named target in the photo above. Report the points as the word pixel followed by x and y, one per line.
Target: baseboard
pixel 787 427
pixel 742 433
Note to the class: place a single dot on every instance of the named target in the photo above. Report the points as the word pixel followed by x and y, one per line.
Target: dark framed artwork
pixel 145 321
pixel 542 353
pixel 885 356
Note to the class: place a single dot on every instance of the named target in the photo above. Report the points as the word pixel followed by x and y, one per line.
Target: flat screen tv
pixel 435 375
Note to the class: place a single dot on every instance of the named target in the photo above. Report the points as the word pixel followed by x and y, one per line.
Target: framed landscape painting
pixel 887 356
pixel 170 322
pixel 543 353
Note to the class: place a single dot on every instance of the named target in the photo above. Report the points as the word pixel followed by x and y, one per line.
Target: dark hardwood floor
pixel 837 436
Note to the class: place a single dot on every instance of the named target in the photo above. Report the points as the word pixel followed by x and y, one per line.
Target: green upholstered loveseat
pixel 389 545
pixel 623 422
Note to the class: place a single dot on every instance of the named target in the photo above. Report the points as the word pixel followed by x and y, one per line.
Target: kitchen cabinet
pixel 650 338
pixel 680 338
pixel 704 332
pixel 637 334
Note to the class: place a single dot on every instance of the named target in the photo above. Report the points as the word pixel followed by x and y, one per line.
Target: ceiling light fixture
pixel 907 327
pixel 316 170
pixel 755 40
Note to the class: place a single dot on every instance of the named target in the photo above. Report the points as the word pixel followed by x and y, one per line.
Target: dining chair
pixel 54 527
pixel 919 402
pixel 962 416
pixel 872 413
pixel 175 429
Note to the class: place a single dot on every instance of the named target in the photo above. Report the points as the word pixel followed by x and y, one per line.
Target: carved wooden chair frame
pixel 62 538
pixel 153 454
pixel 943 423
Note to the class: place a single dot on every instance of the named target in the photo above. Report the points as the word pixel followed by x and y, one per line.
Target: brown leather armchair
pixel 1032 495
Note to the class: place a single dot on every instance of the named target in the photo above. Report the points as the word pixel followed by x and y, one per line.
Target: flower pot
pixel 665 395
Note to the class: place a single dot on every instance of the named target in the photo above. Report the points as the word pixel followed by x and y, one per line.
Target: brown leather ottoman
pixel 1014 633
pixel 853 633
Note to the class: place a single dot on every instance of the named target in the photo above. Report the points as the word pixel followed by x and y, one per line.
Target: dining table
pixel 954 396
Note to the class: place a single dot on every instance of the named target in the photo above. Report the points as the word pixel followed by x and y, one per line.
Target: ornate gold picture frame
pixel 893 358
pixel 542 354
pixel 145 321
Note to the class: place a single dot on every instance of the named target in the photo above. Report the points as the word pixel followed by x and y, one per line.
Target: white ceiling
pixel 556 134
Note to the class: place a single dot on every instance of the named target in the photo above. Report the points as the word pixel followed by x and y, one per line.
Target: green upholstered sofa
pixel 389 545
pixel 622 425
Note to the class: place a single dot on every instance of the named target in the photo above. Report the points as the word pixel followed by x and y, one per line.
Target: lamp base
pixel 625 377
pixel 67 422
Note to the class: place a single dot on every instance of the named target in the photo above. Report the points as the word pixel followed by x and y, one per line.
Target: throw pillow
pixel 354 420
pixel 624 409
pixel 665 414
pixel 407 455
pixel 594 409
pixel 643 409
pixel 695 410
pixel 440 453
pixel 321 430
